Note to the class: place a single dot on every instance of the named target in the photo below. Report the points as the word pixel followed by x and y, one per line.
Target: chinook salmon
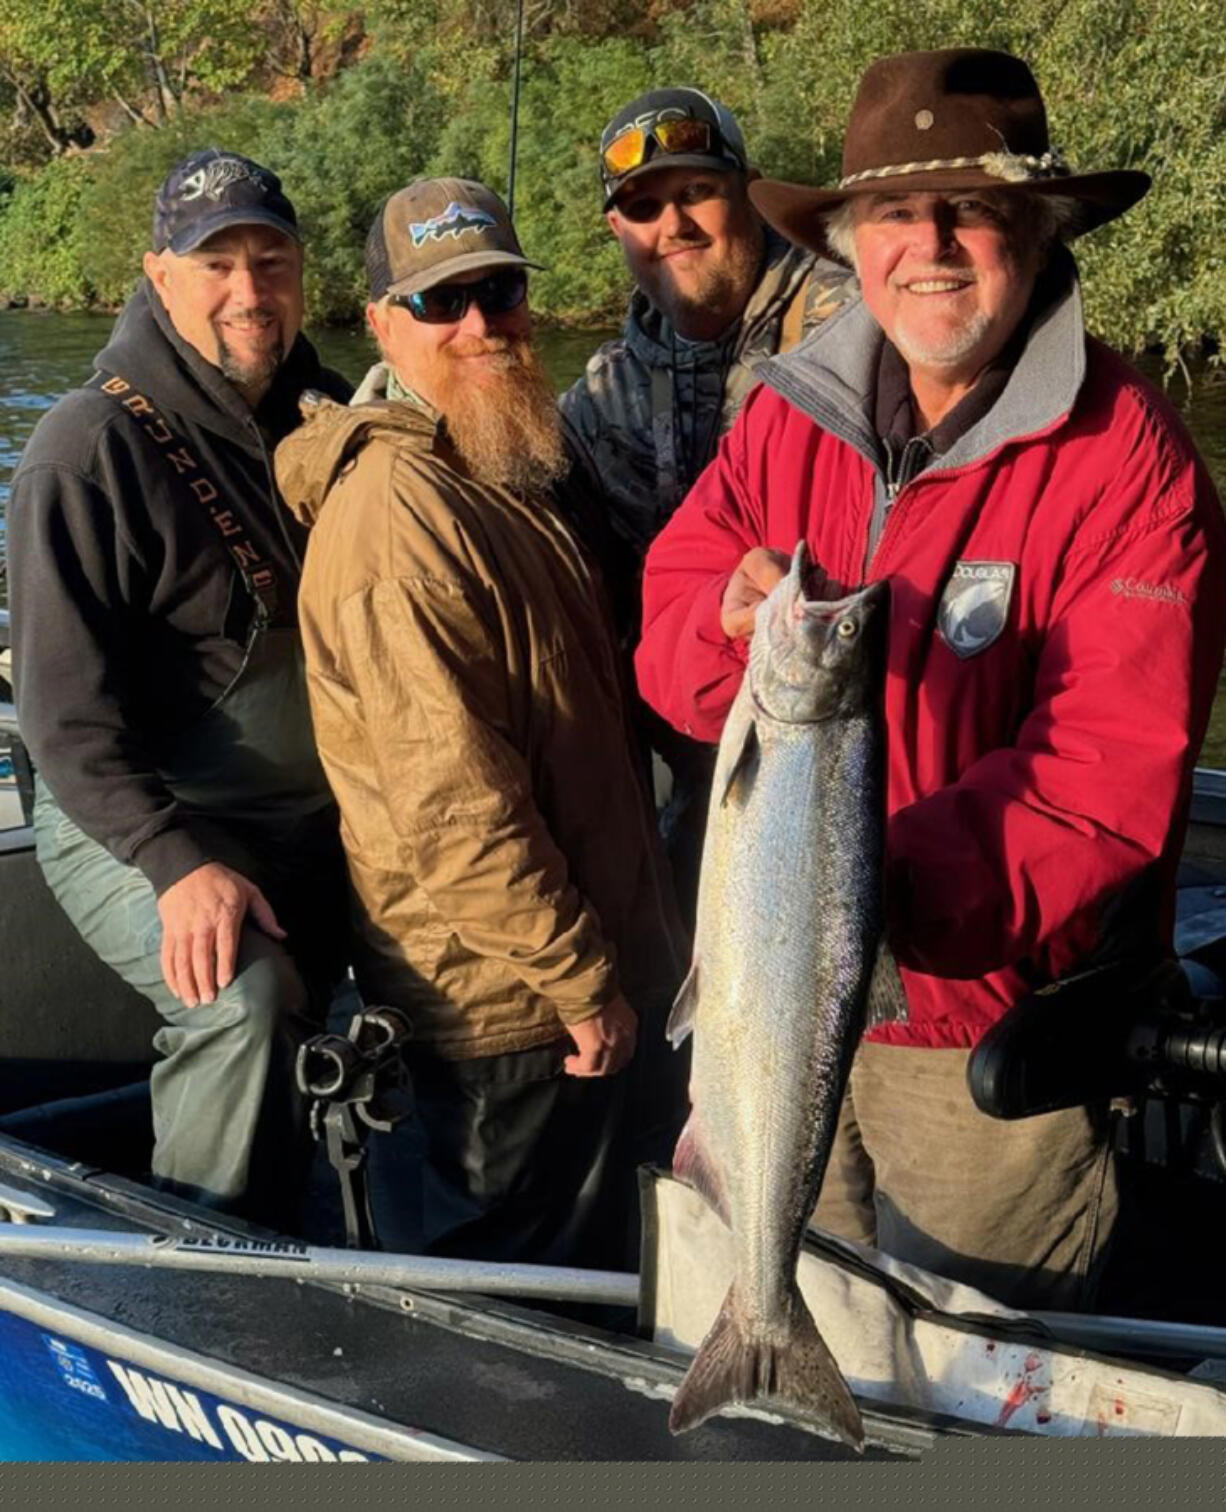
pixel 787 943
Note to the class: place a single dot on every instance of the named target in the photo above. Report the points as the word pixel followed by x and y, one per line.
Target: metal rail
pixel 303 1262
pixel 1141 1335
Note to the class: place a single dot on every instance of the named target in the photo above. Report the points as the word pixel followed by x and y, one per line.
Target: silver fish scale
pixel 788 920
pixel 789 933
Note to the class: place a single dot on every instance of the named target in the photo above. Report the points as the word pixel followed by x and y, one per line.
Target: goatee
pixel 251 376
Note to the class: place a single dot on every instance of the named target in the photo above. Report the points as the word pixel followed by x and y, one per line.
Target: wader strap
pixel 664 436
pixel 258 575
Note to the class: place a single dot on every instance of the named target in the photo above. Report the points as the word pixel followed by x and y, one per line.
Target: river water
pixel 43 354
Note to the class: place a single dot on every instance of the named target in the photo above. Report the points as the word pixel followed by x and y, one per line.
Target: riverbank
pixel 600 328
pixel 428 91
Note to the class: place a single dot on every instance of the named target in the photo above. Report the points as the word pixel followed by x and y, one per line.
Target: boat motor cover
pixel 904 1337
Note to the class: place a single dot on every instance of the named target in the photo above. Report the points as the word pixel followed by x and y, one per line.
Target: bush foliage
pixel 1127 83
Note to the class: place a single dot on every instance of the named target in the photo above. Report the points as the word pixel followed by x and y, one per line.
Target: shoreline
pixel 1204 350
pixel 22 304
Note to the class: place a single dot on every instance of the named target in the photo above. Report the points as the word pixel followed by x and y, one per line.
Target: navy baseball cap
pixel 212 190
pixel 669 128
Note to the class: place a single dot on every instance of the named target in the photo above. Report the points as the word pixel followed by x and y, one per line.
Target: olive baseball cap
pixel 212 190
pixel 433 230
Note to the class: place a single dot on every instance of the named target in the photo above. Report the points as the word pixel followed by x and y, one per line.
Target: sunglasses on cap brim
pixel 495 294
pixel 631 149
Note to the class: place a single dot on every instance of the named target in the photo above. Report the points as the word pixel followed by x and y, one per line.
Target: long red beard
pixel 502 419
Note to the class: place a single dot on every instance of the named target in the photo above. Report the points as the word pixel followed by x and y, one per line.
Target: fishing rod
pixel 519 49
pixel 231 1254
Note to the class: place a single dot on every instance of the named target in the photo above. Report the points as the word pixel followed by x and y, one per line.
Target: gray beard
pixel 253 377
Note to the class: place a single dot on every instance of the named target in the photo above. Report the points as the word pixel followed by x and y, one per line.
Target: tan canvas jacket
pixel 467 701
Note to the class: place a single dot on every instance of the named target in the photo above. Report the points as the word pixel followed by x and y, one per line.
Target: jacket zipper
pixel 897 478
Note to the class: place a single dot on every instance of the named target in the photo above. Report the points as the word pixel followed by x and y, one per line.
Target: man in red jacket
pixel 1057 561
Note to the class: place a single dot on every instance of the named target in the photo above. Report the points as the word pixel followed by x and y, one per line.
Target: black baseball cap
pixel 726 146
pixel 212 190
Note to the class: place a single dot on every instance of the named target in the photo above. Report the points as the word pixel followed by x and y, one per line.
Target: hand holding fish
pixel 758 572
pixel 605 1042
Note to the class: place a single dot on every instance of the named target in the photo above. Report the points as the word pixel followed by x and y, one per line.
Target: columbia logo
pixel 1160 593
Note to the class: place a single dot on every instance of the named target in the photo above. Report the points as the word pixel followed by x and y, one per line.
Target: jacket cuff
pixel 167 857
pixel 604 991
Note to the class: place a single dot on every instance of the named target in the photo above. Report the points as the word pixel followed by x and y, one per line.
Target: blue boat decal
pixel 64 1400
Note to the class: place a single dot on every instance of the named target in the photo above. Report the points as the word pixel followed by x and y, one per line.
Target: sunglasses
pixel 445 303
pixel 630 149
pixel 643 208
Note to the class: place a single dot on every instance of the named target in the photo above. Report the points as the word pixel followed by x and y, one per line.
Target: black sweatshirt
pixel 129 615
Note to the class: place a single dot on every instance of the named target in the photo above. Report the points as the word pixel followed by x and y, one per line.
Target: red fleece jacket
pixel 1037 788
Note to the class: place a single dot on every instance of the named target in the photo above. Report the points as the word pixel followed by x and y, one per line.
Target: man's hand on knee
pixel 202 922
pixel 605 1042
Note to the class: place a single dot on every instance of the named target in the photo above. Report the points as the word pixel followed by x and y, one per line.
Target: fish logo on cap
pixel 453 221
pixel 216 177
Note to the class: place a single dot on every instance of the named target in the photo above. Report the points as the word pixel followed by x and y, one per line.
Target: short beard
pixel 722 287
pixel 504 423
pixel 957 345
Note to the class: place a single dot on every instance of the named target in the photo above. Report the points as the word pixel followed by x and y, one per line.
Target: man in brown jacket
pixel 466 694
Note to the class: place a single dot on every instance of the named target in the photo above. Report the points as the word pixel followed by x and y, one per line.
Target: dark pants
pixel 522 1163
pixel 229 1125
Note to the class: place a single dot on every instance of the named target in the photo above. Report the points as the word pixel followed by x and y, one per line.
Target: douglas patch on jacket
pixel 975 606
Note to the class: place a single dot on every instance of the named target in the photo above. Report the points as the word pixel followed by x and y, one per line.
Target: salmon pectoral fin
pixel 733 1365
pixel 740 745
pixel 694 1166
pixel 887 997
pixel 685 1005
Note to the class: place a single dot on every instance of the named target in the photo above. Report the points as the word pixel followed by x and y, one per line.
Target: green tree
pixel 42 238
pixel 180 43
pixel 1128 83
pixel 340 155
pixel 46 61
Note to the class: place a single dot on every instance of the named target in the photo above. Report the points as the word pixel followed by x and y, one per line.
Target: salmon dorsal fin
pixel 681 1019
pixel 887 998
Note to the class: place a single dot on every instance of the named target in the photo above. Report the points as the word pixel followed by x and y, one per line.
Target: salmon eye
pixel 846 628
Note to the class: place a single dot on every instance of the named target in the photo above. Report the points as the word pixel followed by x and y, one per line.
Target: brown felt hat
pixel 962 118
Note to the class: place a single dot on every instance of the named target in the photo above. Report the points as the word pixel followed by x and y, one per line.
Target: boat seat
pixel 111 1129
pixel 69 1025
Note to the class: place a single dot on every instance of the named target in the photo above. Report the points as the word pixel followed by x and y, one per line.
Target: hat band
pixel 1012 167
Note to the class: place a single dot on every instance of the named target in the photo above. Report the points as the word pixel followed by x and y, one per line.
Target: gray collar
pixel 382 382
pixel 831 377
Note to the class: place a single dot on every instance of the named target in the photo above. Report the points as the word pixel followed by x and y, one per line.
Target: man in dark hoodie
pixel 182 818
pixel 717 292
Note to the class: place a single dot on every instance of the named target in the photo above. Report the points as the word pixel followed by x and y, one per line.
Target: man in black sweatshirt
pixel 182 818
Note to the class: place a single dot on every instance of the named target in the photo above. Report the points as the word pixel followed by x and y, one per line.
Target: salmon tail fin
pixel 736 1365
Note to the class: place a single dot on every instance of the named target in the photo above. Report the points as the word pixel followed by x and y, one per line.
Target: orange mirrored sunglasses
pixel 629 150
